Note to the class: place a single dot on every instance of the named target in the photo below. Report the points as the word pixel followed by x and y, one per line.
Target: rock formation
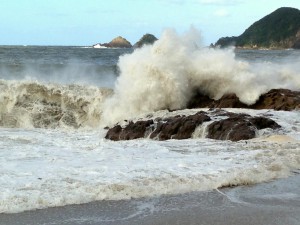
pixel 118 42
pixel 235 127
pixel 239 127
pixel 146 39
pixel 222 125
pixel 277 99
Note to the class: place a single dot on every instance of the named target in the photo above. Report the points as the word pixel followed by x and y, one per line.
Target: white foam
pixel 45 168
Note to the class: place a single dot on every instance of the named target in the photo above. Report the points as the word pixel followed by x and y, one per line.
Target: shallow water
pixel 276 202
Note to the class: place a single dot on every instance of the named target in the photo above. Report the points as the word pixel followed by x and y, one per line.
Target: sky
pixel 87 22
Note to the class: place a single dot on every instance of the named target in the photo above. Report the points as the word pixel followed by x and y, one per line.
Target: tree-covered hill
pixel 280 29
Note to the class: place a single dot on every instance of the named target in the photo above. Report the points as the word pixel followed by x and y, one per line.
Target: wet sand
pixel 274 203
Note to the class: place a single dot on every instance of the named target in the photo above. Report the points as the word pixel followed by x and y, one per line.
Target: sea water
pixel 56 101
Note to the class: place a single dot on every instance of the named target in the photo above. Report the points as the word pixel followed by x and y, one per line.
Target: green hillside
pixel 280 29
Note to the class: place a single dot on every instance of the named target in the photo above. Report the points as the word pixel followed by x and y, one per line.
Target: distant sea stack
pixel 147 39
pixel 278 30
pixel 118 42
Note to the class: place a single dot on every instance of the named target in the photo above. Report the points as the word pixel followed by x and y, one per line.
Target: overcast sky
pixel 86 22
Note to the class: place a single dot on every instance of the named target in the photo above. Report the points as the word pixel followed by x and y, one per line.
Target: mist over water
pixel 61 65
pixel 166 75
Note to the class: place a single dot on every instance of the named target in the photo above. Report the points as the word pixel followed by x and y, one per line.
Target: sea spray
pixel 166 74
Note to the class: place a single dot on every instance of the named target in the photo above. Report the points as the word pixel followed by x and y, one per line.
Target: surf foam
pixel 79 167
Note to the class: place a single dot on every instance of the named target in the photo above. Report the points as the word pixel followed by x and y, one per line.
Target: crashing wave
pixel 31 104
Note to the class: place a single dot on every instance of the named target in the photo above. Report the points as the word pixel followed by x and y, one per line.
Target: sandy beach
pixel 276 202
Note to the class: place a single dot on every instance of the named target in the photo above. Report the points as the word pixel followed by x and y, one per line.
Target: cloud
pixel 221 13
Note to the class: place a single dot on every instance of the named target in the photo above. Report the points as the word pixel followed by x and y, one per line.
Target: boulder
pixel 114 133
pixel 229 101
pixel 131 131
pixel 277 99
pixel 239 127
pixel 178 127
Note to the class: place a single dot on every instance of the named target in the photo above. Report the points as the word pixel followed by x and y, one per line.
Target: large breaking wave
pixel 167 74
pixel 31 104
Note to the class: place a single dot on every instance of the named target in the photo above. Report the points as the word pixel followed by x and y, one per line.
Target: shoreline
pixel 275 202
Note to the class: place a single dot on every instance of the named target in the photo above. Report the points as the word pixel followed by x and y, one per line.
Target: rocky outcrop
pixel 239 127
pixel 227 101
pixel 147 39
pixel 234 127
pixel 178 127
pixel 118 42
pixel 277 99
pixel 131 131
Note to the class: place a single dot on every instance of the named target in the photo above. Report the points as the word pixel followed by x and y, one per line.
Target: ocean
pixel 55 102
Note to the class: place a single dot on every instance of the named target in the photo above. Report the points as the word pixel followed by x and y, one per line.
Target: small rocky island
pixel 118 42
pixel 278 30
pixel 147 39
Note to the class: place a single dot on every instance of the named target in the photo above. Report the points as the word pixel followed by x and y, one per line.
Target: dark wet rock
pixel 200 100
pixel 135 130
pixel 178 127
pixel 239 127
pixel 131 131
pixel 229 101
pixel 234 127
pixel 262 123
pixel 277 99
pixel 114 133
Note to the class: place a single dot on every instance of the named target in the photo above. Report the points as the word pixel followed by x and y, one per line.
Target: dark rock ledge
pixel 277 99
pixel 234 127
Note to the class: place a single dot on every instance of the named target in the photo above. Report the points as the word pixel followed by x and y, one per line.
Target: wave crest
pixel 31 104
